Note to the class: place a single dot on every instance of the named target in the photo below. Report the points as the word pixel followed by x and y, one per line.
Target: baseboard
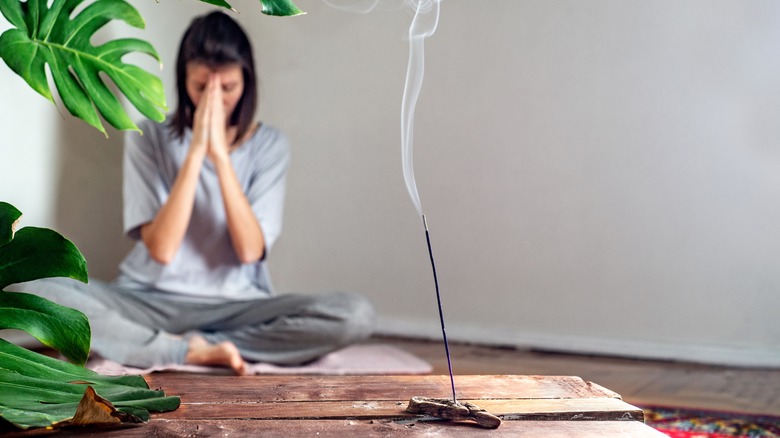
pixel 725 355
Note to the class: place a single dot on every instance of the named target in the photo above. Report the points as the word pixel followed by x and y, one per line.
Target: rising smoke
pixel 424 23
pixel 426 18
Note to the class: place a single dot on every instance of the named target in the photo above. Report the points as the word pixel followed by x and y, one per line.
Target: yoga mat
pixel 352 360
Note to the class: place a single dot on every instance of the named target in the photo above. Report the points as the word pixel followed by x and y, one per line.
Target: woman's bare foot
pixel 226 354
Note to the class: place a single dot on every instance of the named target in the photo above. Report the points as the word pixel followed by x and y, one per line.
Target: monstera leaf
pixel 40 391
pixel 47 35
pixel 34 253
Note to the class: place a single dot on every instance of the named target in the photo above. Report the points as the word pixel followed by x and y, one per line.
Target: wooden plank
pixel 605 409
pixel 374 406
pixel 243 389
pixel 376 429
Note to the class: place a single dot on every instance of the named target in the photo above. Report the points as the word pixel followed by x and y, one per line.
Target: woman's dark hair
pixel 215 40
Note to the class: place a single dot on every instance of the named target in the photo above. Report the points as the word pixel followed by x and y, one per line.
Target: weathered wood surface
pixel 376 429
pixel 576 409
pixel 374 406
pixel 234 389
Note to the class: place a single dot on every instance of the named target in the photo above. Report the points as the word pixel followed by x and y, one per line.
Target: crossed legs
pixel 145 328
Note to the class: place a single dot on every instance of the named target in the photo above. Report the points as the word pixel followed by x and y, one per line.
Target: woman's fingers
pixel 218 92
pixel 200 134
pixel 218 121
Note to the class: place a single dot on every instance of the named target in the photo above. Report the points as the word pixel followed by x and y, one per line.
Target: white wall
pixel 598 176
pixel 30 186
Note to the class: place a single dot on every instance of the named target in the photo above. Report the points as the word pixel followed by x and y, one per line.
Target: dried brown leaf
pixel 95 410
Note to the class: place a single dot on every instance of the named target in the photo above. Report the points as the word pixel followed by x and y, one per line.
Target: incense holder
pixel 450 410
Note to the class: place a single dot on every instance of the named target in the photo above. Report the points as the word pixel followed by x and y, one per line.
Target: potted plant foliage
pixel 37 390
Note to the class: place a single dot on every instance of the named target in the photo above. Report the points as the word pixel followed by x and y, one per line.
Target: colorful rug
pixel 355 359
pixel 688 423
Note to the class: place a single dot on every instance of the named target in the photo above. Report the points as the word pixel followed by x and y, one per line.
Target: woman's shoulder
pixel 153 134
pixel 269 133
pixel 163 130
pixel 267 146
pixel 267 137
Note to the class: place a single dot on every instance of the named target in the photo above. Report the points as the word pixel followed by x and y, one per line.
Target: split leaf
pixel 32 254
pixel 46 35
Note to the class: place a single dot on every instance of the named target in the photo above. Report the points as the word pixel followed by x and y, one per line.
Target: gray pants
pixel 145 328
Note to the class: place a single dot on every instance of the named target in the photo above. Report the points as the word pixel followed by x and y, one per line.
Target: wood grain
pixel 237 389
pixel 375 406
pixel 375 429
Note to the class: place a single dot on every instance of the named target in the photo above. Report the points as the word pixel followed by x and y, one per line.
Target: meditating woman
pixel 203 197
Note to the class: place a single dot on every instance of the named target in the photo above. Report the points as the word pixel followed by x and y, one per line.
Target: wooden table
pixel 373 406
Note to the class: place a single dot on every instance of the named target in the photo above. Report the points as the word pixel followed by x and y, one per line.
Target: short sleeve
pixel 143 187
pixel 267 186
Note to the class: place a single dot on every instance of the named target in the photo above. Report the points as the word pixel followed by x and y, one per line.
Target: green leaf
pixel 22 362
pixel 47 35
pixel 12 11
pixel 39 391
pixel 61 328
pixel 220 3
pixel 8 217
pixel 280 8
pixel 40 253
pixel 31 254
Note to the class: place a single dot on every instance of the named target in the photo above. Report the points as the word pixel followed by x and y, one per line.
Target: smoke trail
pixel 426 18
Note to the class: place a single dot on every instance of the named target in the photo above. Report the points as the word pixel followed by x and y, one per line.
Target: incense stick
pixel 441 313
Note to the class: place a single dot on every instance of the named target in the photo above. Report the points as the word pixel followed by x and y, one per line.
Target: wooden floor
pixel 534 391
pixel 639 382
pixel 375 406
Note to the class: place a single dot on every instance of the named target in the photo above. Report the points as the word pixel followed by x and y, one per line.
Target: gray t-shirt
pixel 205 267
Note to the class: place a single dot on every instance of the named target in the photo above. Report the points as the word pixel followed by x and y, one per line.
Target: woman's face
pixel 231 79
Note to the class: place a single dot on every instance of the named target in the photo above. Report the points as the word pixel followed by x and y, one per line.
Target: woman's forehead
pixel 201 70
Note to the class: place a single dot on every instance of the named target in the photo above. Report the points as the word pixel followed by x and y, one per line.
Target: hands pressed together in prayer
pixel 215 93
pixel 211 135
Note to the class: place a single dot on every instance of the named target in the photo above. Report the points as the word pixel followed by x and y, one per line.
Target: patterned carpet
pixel 687 423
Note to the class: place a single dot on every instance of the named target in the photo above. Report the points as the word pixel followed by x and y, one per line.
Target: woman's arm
pixel 243 227
pixel 164 234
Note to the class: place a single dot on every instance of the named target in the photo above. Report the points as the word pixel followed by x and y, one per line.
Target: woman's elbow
pixel 162 259
pixel 161 255
pixel 161 251
pixel 248 256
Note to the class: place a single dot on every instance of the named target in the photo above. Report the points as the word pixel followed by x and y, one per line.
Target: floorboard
pixel 639 382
